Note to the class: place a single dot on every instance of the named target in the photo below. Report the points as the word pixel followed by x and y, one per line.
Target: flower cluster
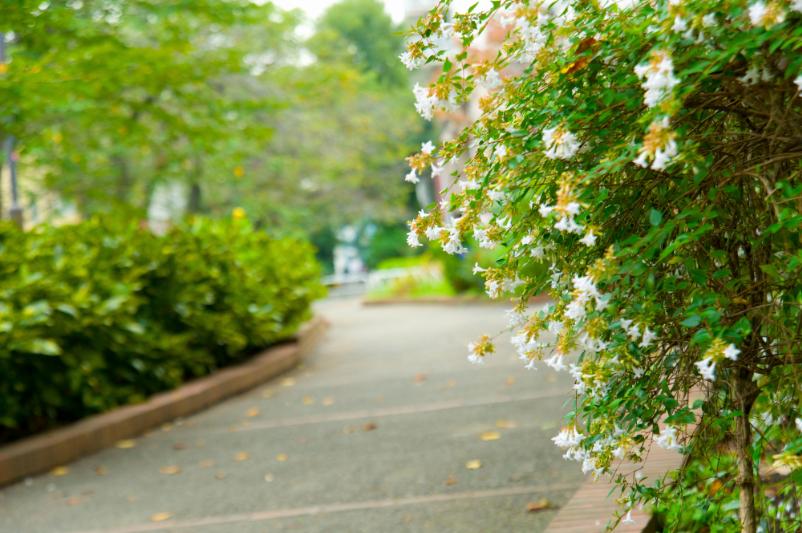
pixel 717 352
pixel 658 78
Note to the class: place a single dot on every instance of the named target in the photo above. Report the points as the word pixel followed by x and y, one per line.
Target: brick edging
pixel 41 453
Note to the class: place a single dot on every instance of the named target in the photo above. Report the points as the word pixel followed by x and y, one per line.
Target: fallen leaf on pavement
pixel 200 443
pixel 307 400
pixel 328 401
pixel 59 471
pixel 370 426
pixel 452 382
pixel 451 481
pixel 87 491
pixel 541 505
pixel 378 399
pixel 506 424
pixel 267 393
pixel 169 470
pixel 161 517
pixel 349 429
pixel 474 464
pixel 511 380
pixel 181 446
pixel 253 411
pixel 281 457
pixel 125 444
pixel 167 426
pixel 75 500
pixel 232 429
pixel 490 435
pixel 242 456
pixel 206 463
pixel 131 498
pixel 220 475
pixel 288 382
pixel 420 377
pixel 101 470
pixel 191 423
pixel 551 378
pixel 269 478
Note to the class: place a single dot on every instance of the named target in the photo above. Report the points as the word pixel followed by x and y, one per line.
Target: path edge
pixel 44 452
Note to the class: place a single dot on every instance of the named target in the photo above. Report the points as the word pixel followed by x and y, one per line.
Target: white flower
pixel 427 147
pixel 709 20
pixel 648 337
pixel 751 77
pixel 560 143
pixel 625 323
pixel 572 208
pixel 628 518
pixel 491 79
pixel 799 424
pixel 493 288
pixel 425 103
pixel 756 13
pixel 707 368
pixel 679 25
pixel 477 269
pixel 412 177
pixel 766 75
pixel 662 156
pixel 798 79
pixel 575 310
pixel 658 80
pixel 500 151
pixel 634 332
pixel 537 252
pixel 731 352
pixel 557 362
pixel 545 209
pixel 496 195
pixel 667 439
pixel 568 438
pixel 641 160
pixel 447 30
pixel 638 372
pixel 412 239
pixel 436 169
pixel 410 62
pixel 589 239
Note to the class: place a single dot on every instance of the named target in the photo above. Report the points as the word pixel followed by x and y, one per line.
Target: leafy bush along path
pixel 374 433
pixel 105 313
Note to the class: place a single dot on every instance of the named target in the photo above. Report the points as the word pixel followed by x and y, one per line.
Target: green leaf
pixel 691 322
pixel 655 217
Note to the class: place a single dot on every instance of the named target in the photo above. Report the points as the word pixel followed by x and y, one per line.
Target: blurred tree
pixel 362 31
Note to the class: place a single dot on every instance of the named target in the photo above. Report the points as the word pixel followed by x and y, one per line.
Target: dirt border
pixel 452 300
pixel 44 452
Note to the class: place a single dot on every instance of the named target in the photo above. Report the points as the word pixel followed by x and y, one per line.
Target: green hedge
pixel 105 313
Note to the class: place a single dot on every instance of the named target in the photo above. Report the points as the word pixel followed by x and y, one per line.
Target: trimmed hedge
pixel 106 313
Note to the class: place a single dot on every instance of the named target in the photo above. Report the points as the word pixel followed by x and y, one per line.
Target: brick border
pixel 41 453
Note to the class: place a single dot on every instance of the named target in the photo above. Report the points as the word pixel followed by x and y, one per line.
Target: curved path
pixel 371 434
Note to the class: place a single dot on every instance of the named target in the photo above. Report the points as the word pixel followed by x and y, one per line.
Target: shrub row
pixel 106 313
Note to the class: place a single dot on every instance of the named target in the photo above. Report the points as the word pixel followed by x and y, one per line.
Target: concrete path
pixel 372 434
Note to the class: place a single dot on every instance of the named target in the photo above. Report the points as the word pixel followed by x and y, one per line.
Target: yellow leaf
pixel 281 457
pixel 253 411
pixel 169 470
pixel 269 478
pixel 267 393
pixel 474 464
pixel 511 380
pixel 101 470
pixel 541 505
pixel 131 498
pixel 378 399
pixel 59 471
pixel 161 517
pixel 125 444
pixel 740 301
pixel 307 400
pixel 328 401
pixel 288 382
pixel 238 171
pixel 506 424
pixel 3 68
pixel 206 463
pixel 242 456
pixel 551 378
pixel 238 212
pixel 451 481
pixel 167 426
pixel 452 382
pixel 220 475
pixel 490 435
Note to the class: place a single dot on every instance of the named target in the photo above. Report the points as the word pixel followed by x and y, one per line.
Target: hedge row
pixel 106 313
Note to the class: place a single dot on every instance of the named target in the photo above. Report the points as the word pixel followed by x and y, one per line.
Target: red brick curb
pixel 43 452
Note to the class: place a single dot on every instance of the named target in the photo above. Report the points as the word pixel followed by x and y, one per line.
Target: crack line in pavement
pixel 391 411
pixel 336 507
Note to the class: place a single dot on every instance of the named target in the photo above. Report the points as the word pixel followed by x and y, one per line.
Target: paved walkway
pixel 372 434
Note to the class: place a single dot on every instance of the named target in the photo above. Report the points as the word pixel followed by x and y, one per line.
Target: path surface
pixel 371 434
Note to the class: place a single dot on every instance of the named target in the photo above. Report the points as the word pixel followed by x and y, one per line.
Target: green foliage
pixel 105 313
pixel 386 244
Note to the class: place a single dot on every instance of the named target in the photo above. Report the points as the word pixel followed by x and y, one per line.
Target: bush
pixel 105 313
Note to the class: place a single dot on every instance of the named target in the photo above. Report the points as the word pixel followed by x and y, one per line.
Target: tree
pixel 649 153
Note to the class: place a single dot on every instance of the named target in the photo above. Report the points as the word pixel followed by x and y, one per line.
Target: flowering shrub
pixel 649 154
pixel 104 313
